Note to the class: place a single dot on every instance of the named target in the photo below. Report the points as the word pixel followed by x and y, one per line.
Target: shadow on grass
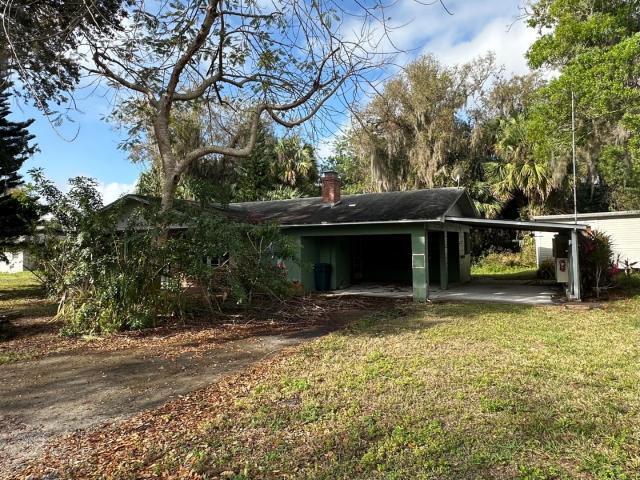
pixel 404 317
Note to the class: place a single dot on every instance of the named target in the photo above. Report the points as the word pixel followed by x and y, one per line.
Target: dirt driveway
pixel 43 398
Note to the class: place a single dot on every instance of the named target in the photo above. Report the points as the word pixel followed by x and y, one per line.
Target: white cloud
pixel 509 42
pixel 114 190
pixel 474 29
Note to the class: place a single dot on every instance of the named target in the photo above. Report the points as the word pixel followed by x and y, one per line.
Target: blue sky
pixel 475 27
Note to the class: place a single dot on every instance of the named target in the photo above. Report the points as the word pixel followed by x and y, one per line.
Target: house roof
pixel 388 207
pixel 415 205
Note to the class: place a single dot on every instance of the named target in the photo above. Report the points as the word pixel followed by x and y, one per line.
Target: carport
pixel 567 230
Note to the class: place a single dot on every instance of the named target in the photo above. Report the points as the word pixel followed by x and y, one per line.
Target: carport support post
pixel 444 261
pixel 574 291
pixel 419 265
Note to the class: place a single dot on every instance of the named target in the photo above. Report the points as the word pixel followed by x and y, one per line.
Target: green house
pixel 400 238
pixel 418 240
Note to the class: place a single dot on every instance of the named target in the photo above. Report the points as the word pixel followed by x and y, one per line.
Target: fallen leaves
pixel 37 337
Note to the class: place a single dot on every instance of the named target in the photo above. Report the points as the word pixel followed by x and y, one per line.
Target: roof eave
pixel 518 224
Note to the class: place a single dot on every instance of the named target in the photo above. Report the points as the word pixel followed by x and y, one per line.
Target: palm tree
pixel 516 168
pixel 295 164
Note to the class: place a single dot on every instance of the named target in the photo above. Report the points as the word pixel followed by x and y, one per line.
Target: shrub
pixel 628 283
pixel 497 260
pixel 109 276
pixel 596 262
pixel 547 269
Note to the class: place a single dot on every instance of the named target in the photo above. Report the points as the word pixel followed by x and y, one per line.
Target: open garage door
pixel 381 259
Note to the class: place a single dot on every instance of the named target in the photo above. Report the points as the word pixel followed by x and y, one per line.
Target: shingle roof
pixel 414 205
pixel 427 204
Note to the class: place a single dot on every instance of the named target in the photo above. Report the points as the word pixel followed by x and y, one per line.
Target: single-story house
pixel 622 227
pixel 419 238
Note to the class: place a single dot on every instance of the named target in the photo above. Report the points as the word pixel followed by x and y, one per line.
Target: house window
pixel 213 262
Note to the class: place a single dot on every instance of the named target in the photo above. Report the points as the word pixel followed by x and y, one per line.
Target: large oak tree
pixel 245 60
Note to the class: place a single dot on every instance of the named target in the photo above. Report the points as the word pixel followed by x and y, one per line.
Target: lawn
pixel 457 391
pixel 517 272
pixel 20 296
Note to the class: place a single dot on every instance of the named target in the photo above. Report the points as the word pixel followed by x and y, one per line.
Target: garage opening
pixel 381 259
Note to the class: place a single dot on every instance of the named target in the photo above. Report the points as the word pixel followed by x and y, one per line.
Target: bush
pixel 496 261
pixel 547 269
pixel 629 284
pixel 110 279
pixel 596 262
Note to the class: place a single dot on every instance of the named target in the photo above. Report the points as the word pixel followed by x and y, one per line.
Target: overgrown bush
pixel 628 283
pixel 596 262
pixel 117 269
pixel 497 260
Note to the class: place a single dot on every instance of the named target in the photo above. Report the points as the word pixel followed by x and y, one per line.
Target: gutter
pixel 379 222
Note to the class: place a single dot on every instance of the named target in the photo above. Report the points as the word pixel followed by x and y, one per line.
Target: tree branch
pixel 196 44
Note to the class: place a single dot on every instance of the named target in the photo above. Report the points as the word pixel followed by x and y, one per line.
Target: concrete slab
pixel 372 290
pixel 478 291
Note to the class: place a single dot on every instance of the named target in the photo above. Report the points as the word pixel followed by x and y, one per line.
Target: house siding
pixel 18 261
pixel 623 230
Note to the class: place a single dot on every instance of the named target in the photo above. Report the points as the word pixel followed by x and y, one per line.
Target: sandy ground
pixel 58 394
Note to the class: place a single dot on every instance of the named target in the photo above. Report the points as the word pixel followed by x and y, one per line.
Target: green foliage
pixel 595 45
pixel 352 169
pixel 499 262
pixel 629 284
pixel 547 269
pixel 412 134
pixel 17 210
pixel 113 269
pixel 277 168
pixel 512 147
pixel 45 38
pixel 596 259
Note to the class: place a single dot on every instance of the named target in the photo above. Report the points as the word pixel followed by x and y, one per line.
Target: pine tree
pixel 16 214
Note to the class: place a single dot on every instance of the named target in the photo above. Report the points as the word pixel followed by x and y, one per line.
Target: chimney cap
pixel 329 173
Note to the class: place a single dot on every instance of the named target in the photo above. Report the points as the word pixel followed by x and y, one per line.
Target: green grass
pixel 11 282
pixel 20 296
pixel 457 391
pixel 518 272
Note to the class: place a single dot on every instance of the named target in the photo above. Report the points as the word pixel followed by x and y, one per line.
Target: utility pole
pixel 573 145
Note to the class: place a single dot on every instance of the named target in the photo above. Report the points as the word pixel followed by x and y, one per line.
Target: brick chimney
pixel 330 187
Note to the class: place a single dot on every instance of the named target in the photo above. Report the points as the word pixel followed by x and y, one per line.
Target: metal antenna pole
pixel 573 145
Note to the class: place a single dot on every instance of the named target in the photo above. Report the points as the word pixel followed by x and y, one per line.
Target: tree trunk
pixel 170 175
pixel 168 191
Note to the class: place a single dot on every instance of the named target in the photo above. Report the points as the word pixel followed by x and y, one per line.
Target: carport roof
pixel 536 226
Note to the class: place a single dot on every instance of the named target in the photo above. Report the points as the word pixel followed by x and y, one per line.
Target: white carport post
pixel 574 267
